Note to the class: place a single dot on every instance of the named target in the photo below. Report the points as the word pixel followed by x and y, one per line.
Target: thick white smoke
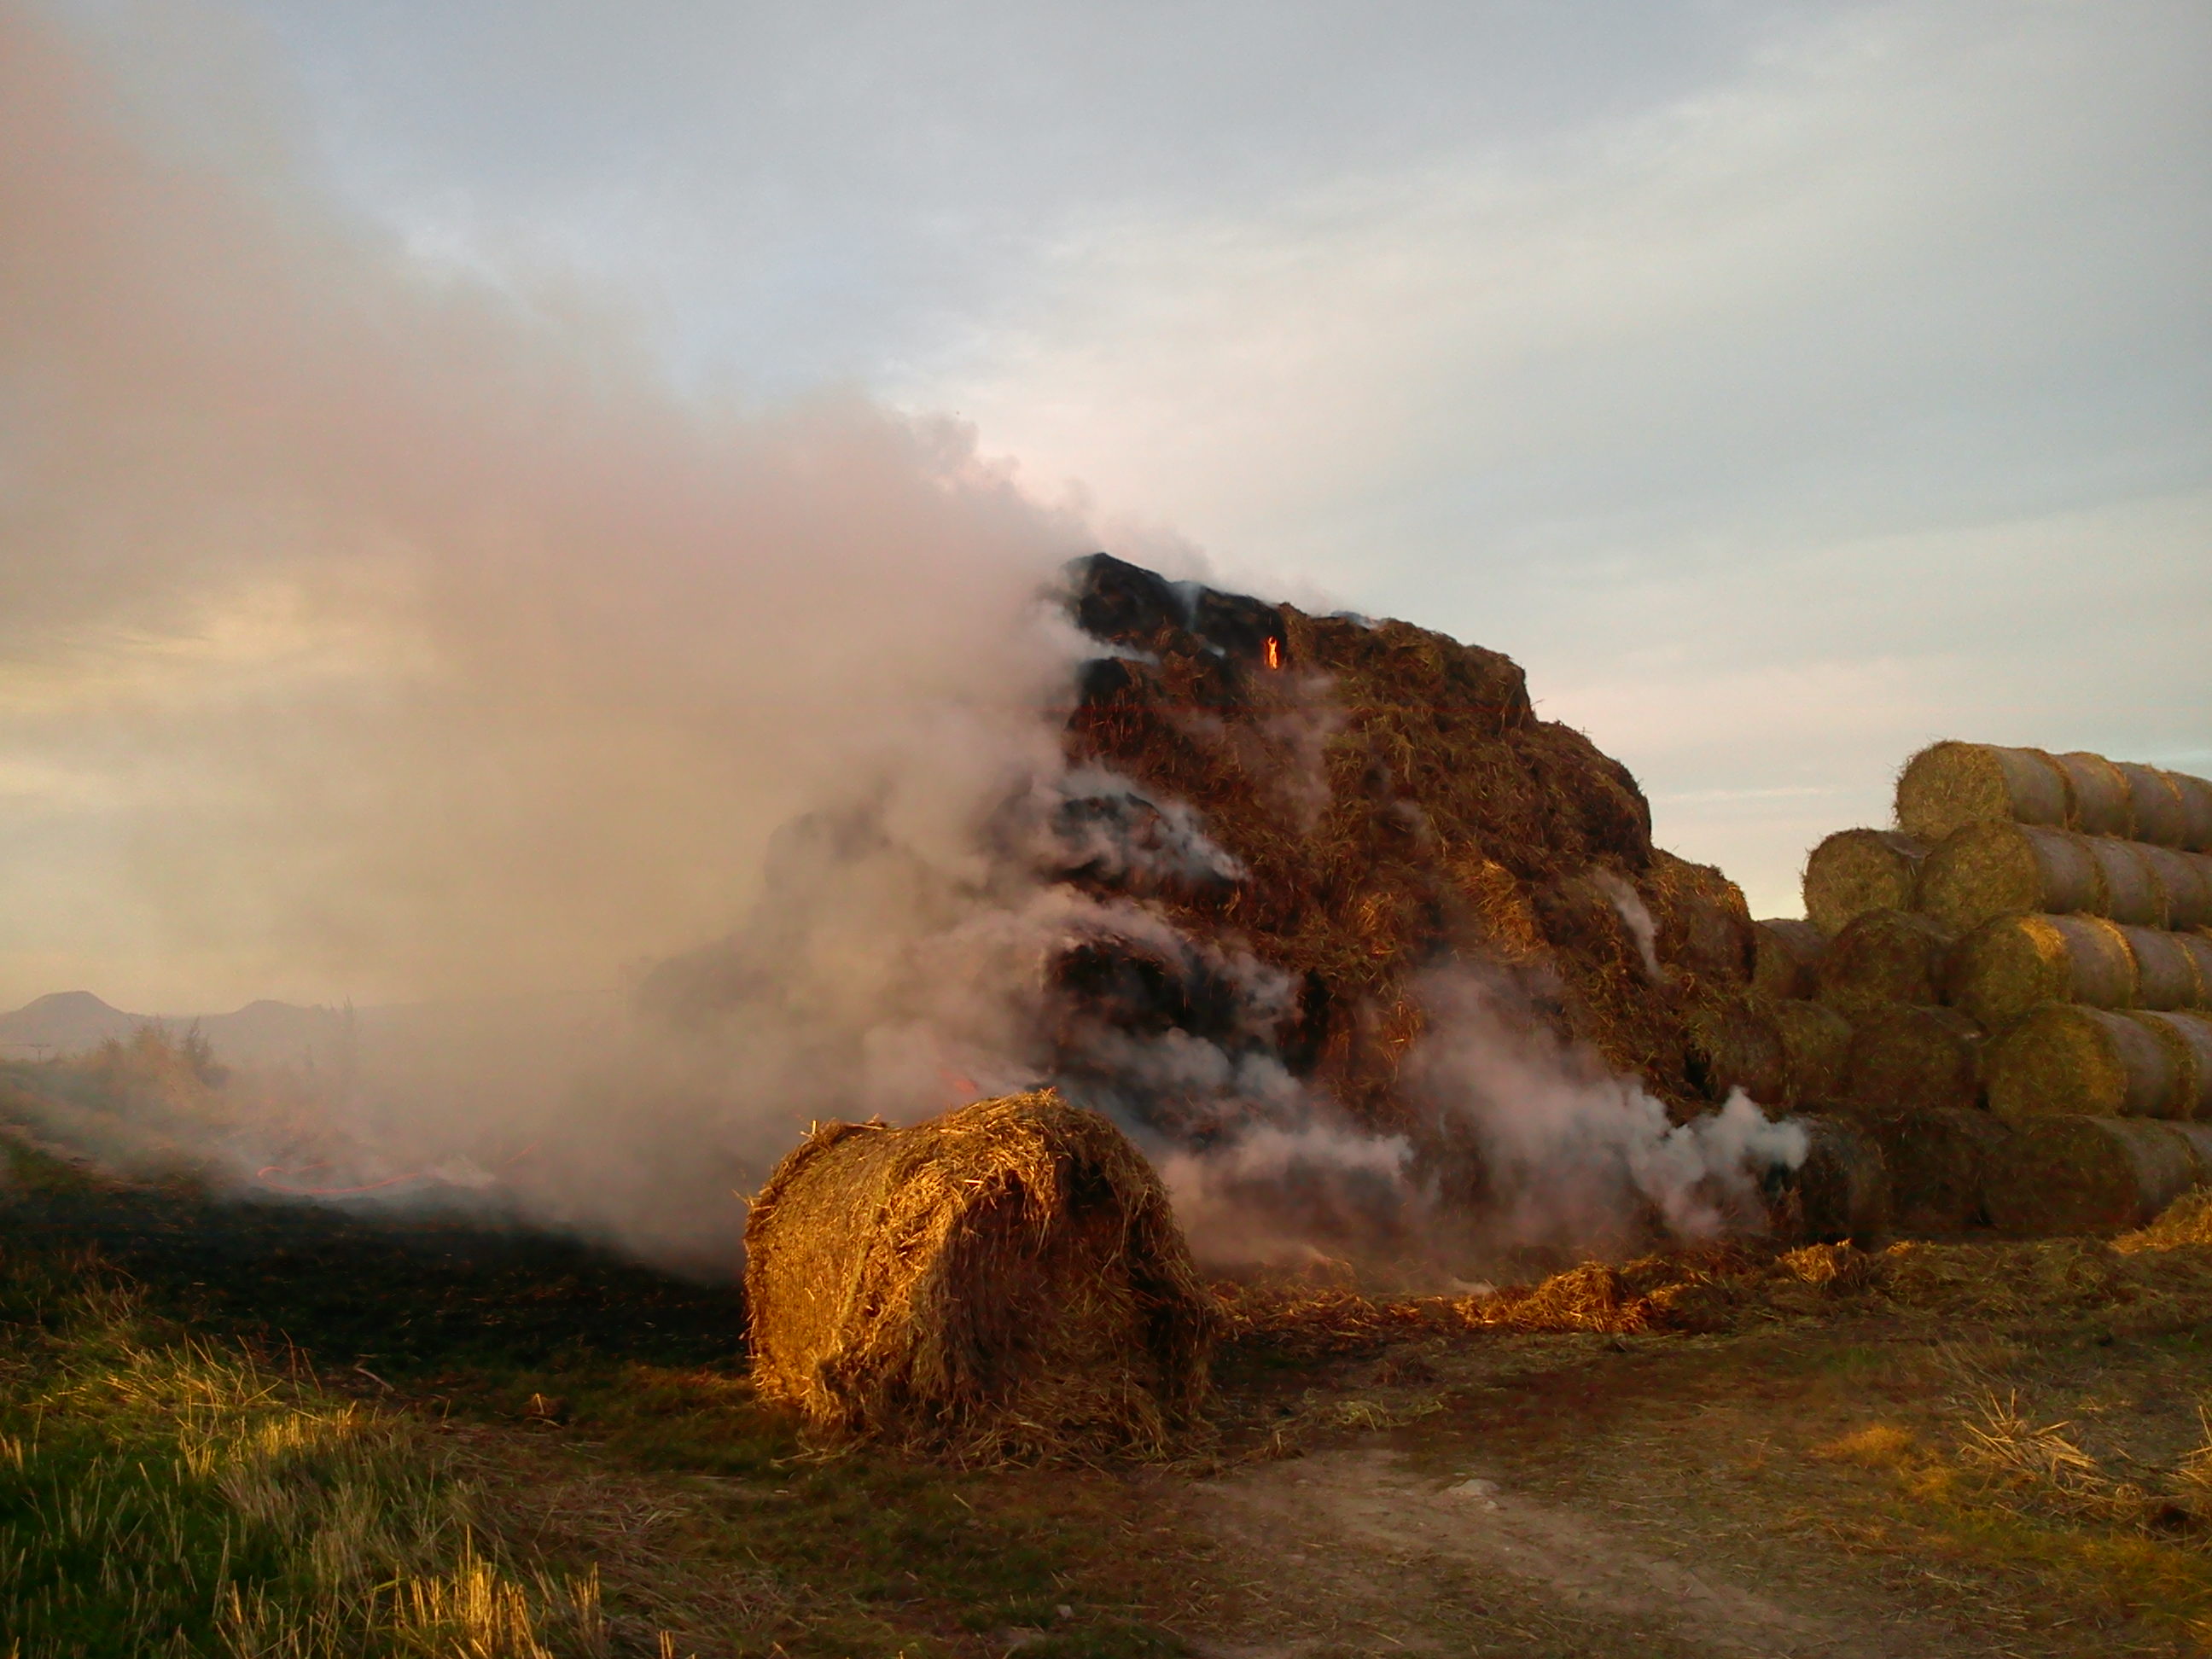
pixel 364 629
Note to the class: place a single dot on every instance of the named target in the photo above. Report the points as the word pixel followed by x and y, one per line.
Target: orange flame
pixel 1275 654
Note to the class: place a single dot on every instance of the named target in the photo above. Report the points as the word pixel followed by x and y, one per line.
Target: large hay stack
pixel 1004 1280
pixel 1392 804
pixel 2023 959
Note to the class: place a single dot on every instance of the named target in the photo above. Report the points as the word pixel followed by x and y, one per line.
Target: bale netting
pixel 2067 1174
pixel 2062 1058
pixel 1856 870
pixel 1912 1057
pixel 1003 1281
pixel 1885 956
pixel 2188 1040
pixel 2010 963
pixel 1950 785
pixel 1815 1042
pixel 1784 957
pixel 1986 870
pixel 1939 1161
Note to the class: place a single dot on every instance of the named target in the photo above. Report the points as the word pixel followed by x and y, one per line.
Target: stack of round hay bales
pixel 2028 951
pixel 1005 1280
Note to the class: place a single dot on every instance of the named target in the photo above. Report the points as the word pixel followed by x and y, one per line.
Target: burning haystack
pixel 1380 801
pixel 1005 1280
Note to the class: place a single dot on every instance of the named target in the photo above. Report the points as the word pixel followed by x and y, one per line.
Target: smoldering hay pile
pixel 2012 987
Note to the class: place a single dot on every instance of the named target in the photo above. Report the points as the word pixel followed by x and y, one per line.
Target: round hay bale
pixel 1856 870
pixel 1815 1042
pixel 1884 956
pixel 2188 1039
pixel 2198 947
pixel 2132 890
pixel 1950 785
pixel 2062 1058
pixel 2166 969
pixel 1911 1058
pixel 1730 1042
pixel 1004 1280
pixel 2156 812
pixel 1985 870
pixel 1783 957
pixel 2196 810
pixel 2010 963
pixel 1939 1163
pixel 2102 803
pixel 2067 1174
pixel 2198 1136
pixel 2185 885
pixel 1841 1191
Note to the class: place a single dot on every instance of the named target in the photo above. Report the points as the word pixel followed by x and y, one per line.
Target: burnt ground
pixel 1841 1480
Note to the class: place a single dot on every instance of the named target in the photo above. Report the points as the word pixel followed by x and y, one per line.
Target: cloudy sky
pixel 1783 386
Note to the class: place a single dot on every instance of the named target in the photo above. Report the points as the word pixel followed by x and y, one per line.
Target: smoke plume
pixel 369 629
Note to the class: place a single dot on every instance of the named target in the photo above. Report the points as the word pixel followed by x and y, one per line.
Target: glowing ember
pixel 1275 654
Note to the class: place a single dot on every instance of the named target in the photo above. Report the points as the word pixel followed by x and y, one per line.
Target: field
pixel 295 1430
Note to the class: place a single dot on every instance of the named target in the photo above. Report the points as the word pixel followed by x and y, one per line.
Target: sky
pixel 1783 386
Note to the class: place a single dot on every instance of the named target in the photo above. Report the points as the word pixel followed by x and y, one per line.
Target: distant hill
pixel 261 1033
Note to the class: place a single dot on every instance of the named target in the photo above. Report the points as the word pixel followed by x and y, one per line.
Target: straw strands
pixel 1005 1280
pixel 2010 963
pixel 1786 958
pixel 1816 1042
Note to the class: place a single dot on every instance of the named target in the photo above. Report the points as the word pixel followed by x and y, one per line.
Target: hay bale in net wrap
pixel 2098 792
pixel 2168 971
pixel 2155 808
pixel 1912 1057
pixel 2066 1059
pixel 2060 1173
pixel 1785 955
pixel 1816 1042
pixel 2185 884
pixel 1856 870
pixel 1950 785
pixel 1731 1042
pixel 1004 1280
pixel 2010 963
pixel 1986 870
pixel 1882 957
pixel 2196 795
pixel 1939 1160
pixel 1839 1194
pixel 2188 1040
pixel 2131 890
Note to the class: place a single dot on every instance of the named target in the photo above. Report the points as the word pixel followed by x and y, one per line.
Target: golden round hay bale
pixel 2185 885
pixel 1939 1163
pixel 2188 1038
pixel 1784 955
pixel 2010 963
pixel 2156 812
pixel 1815 1041
pixel 1884 956
pixel 1985 870
pixel 2166 974
pixel 1949 785
pixel 2062 1173
pixel 2102 801
pixel 2132 890
pixel 1907 1058
pixel 1730 1042
pixel 2196 810
pixel 1856 870
pixel 2063 1058
pixel 1005 1280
